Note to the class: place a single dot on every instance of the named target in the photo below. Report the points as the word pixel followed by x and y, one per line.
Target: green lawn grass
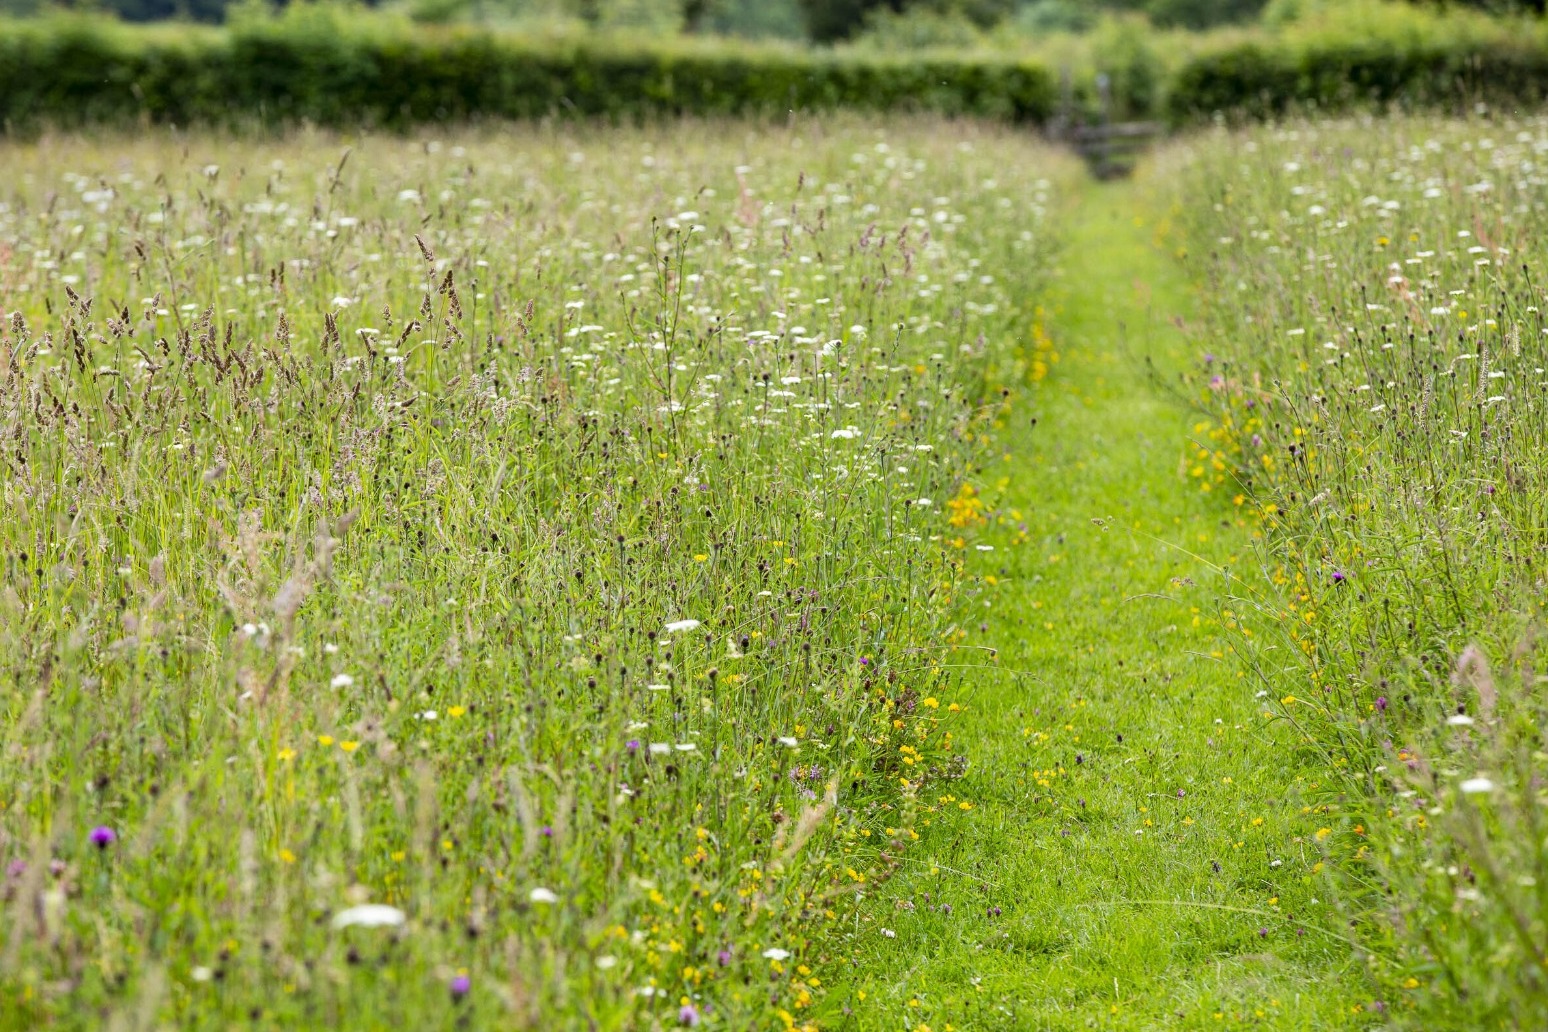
pixel 1137 855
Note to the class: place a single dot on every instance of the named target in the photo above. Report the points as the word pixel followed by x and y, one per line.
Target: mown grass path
pixel 1130 798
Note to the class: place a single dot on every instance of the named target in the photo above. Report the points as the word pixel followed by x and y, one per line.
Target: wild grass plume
pixel 489 578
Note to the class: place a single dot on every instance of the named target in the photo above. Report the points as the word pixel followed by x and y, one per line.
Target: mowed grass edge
pixel 1139 854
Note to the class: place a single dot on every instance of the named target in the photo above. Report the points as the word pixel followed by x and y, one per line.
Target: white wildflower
pixel 369 915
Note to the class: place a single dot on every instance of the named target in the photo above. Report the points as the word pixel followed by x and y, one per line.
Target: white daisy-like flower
pixel 1477 786
pixel 342 681
pixel 542 895
pixel 679 626
pixel 369 915
pixel 775 953
pixel 1459 720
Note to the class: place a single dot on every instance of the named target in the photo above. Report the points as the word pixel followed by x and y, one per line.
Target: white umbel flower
pixel 369 915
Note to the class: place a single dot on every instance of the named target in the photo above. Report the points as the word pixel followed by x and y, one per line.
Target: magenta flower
pixel 102 836
pixel 688 1016
pixel 460 986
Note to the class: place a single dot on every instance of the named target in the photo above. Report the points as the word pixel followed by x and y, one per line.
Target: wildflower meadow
pixel 489 577
pixel 835 571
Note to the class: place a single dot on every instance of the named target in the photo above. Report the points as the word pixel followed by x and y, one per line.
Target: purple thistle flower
pixel 688 1016
pixel 1338 577
pixel 546 831
pixel 723 958
pixel 633 745
pixel 1381 704
pixel 460 986
pixel 102 836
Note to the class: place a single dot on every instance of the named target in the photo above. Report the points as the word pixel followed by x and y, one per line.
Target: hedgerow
pixel 332 70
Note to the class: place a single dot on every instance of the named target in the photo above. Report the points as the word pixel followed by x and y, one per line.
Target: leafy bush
pixel 1334 57
pixel 318 66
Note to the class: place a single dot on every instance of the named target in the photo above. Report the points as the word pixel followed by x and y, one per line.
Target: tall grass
pixel 1377 299
pixel 553 539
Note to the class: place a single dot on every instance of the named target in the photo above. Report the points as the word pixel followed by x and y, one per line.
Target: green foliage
pixel 1202 14
pixel 319 66
pixel 1409 60
pixel 830 20
pixel 920 28
pixel 1376 295
pixel 558 536
pixel 1121 49
pixel 1042 16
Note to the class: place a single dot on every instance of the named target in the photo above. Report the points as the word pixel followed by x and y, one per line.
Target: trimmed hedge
pixel 1253 81
pixel 323 67
pixel 70 72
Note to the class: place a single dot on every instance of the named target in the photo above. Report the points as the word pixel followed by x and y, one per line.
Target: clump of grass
pixel 496 576
pixel 1376 306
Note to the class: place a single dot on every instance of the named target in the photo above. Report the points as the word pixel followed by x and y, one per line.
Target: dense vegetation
pixel 326 65
pixel 1378 337
pixel 324 69
pixel 555 540
pixel 635 556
